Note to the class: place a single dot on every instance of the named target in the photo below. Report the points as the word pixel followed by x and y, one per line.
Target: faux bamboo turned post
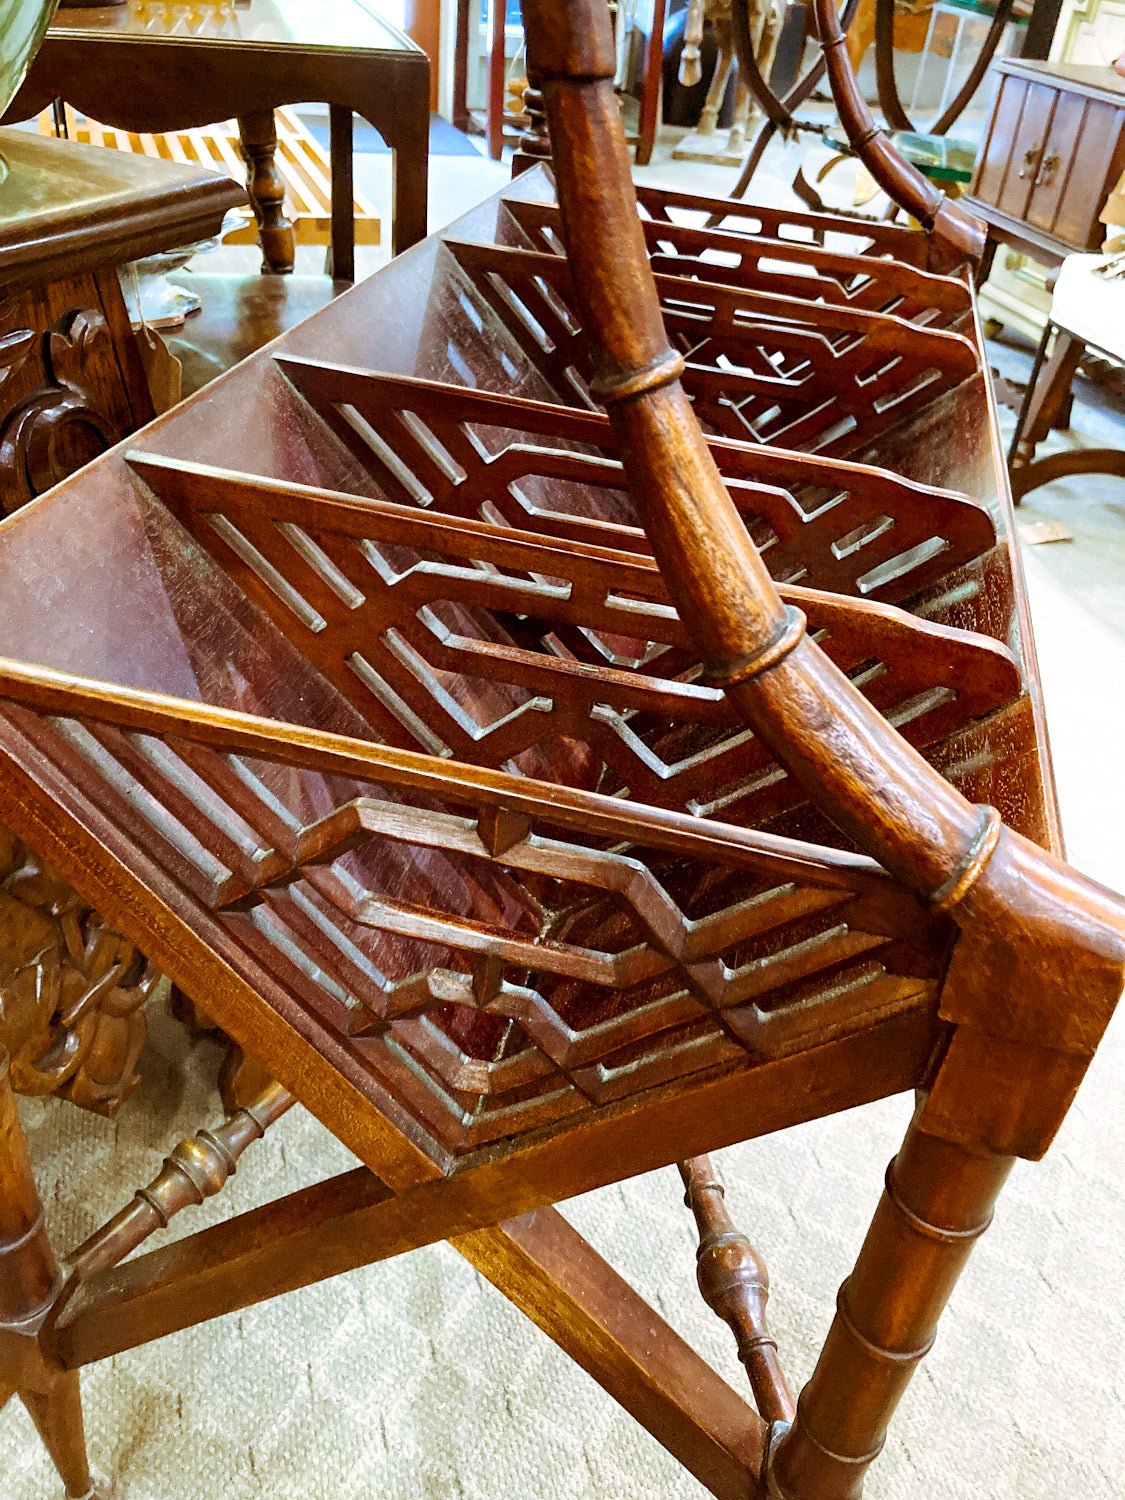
pixel 735 1286
pixel 818 725
pixel 903 183
pixel 1039 966
pixel 29 1282
pixel 937 1203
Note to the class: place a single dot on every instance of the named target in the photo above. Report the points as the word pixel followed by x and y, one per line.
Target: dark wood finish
pixel 736 1286
pixel 957 235
pixel 111 65
pixel 69 209
pixel 340 261
pixel 554 1276
pixel 29 1282
pixel 266 186
pixel 649 109
pixel 482 779
pixel 501 127
pixel 1052 152
pixel 459 109
pixel 73 380
pixel 74 989
pixel 1044 401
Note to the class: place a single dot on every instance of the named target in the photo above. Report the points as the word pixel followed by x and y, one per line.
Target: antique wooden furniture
pixel 880 20
pixel 72 385
pixel 499 126
pixel 301 163
pixel 1051 154
pixel 1087 311
pixel 70 215
pixel 135 71
pixel 482 779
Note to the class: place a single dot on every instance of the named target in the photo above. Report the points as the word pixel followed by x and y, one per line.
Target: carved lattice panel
pixel 500 956
pixel 559 660
pixel 786 266
pixel 852 234
pixel 853 529
pixel 760 367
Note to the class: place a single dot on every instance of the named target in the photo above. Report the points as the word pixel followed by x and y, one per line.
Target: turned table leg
pixel 938 1201
pixel 29 1282
pixel 1047 389
pixel 266 187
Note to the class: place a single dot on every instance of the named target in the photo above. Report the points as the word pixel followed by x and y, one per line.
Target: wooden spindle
pixel 937 1203
pixel 197 1169
pixel 735 1286
pixel 535 142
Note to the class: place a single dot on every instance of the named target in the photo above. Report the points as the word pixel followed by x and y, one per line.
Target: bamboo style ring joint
pixel 775 650
pixel 972 863
pixel 610 389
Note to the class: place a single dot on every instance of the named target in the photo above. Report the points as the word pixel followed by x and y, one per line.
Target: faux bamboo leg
pixel 938 1201
pixel 29 1281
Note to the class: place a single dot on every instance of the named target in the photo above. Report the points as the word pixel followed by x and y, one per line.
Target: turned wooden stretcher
pixel 543 796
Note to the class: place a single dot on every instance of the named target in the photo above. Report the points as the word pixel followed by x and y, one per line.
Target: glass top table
pixel 151 67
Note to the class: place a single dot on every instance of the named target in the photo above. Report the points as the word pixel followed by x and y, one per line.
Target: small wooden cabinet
pixel 1051 154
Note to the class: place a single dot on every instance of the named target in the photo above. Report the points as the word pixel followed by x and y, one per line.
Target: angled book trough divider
pixel 790 261
pixel 760 366
pixel 445 739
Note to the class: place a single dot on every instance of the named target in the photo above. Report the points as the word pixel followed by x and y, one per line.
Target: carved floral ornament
pixel 61 425
pixel 72 990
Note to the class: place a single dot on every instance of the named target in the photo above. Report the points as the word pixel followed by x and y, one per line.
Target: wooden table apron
pixel 155 84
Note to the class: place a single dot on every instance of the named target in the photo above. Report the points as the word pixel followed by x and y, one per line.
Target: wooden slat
pixel 303 164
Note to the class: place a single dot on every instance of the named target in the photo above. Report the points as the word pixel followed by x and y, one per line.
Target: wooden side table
pixel 71 380
pixel 1088 311
pixel 71 385
pixel 146 68
pixel 1051 153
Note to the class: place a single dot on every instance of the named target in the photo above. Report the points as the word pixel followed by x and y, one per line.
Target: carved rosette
pixel 61 426
pixel 72 990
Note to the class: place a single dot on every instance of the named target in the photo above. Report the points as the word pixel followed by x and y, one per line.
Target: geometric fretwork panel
pixel 760 366
pixel 851 234
pixel 785 265
pixel 823 522
pixel 499 958
pixel 560 660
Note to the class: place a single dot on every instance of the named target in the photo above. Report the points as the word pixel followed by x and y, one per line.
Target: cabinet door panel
pixel 1097 165
pixel 997 153
pixel 1028 147
pixel 1060 162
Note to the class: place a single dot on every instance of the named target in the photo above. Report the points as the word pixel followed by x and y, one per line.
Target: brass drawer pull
pixel 1031 160
pixel 1048 169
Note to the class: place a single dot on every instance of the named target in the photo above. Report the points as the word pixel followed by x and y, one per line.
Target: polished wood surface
pixel 70 216
pixel 156 71
pixel 1052 152
pixel 516 780
pixel 74 990
pixel 67 209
